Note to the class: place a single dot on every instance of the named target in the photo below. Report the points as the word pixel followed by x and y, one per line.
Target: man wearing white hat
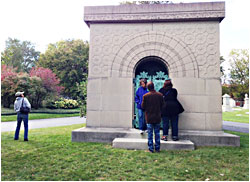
pixel 22 114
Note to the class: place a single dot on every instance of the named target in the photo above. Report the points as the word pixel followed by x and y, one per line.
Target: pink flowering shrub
pixel 7 71
pixel 49 79
pixel 39 85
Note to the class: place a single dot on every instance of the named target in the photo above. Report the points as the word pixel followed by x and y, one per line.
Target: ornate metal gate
pixel 158 80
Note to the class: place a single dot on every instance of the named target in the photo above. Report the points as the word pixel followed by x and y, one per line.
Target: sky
pixel 47 21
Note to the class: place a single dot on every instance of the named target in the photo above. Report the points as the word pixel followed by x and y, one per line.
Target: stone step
pixel 199 138
pixel 142 144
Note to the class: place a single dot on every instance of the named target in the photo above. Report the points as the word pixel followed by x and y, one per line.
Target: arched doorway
pixel 153 69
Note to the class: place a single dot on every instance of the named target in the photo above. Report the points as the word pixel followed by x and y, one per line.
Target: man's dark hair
pixel 150 86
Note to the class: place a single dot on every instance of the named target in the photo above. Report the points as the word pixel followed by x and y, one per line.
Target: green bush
pixel 49 103
pixel 82 97
pixel 39 85
pixel 62 104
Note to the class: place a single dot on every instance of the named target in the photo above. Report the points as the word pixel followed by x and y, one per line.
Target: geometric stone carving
pixel 155 42
pixel 188 48
pixel 186 39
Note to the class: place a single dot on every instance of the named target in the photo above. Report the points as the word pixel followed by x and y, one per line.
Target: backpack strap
pixel 167 93
pixel 22 103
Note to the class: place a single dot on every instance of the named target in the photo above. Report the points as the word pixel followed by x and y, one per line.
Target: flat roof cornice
pixel 204 11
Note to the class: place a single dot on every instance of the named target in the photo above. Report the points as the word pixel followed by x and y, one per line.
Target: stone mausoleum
pixel 130 42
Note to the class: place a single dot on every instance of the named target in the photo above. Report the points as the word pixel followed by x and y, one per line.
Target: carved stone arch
pixel 153 58
pixel 176 53
pixel 166 58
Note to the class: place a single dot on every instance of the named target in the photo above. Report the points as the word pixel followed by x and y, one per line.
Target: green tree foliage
pixel 8 85
pixel 19 55
pixel 36 93
pixel 239 73
pixel 33 89
pixel 69 61
pixel 49 79
pixel 39 85
pixel 227 89
pixel 82 96
pixel 222 70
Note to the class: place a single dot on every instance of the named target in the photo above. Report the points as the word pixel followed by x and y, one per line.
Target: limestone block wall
pixel 190 51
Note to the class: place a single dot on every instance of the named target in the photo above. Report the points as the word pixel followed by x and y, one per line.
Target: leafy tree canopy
pixel 222 70
pixel 38 85
pixel 49 80
pixel 68 59
pixel 239 72
pixel 20 55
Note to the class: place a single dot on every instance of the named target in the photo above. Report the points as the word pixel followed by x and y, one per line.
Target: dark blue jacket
pixel 139 96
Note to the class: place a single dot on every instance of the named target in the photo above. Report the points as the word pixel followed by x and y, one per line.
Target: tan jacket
pixel 152 104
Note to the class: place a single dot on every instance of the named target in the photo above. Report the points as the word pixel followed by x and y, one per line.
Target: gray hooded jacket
pixel 18 103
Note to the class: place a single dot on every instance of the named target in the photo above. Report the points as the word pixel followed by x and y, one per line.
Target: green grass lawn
pixel 50 155
pixel 40 110
pixel 37 116
pixel 236 116
pixel 51 113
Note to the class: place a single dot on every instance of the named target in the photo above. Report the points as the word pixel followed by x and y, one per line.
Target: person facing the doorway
pixel 171 110
pixel 142 90
pixel 152 103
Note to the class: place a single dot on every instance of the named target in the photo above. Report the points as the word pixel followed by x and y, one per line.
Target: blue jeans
pixel 174 125
pixel 22 117
pixel 142 122
pixel 156 129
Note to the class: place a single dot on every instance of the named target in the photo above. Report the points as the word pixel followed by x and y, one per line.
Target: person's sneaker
pixel 157 151
pixel 175 139
pixel 165 138
pixel 141 132
pixel 15 138
pixel 150 151
pixel 26 140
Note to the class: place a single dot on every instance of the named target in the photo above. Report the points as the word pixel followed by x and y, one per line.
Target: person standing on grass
pixel 152 103
pixel 142 90
pixel 21 101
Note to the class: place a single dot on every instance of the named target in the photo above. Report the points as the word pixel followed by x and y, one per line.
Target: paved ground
pixel 234 126
pixel 43 123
